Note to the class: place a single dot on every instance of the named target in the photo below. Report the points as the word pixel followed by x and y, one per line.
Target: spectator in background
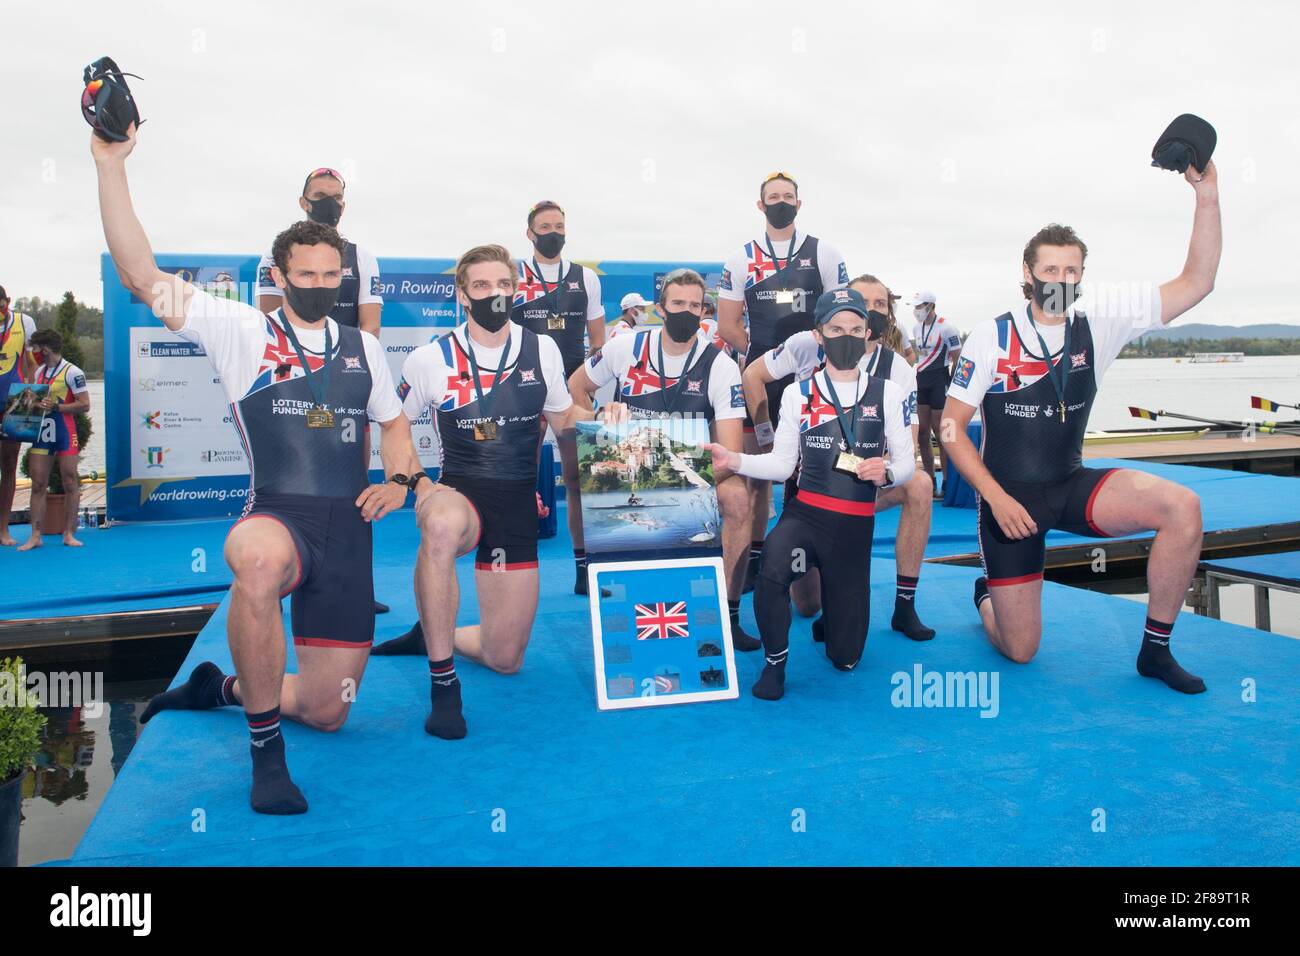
pixel 633 307
pixel 67 396
pixel 16 365
pixel 360 303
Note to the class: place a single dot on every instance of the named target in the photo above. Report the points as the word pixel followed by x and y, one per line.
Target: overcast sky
pixel 930 140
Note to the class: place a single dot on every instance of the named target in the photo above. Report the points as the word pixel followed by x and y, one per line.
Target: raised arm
pixel 1196 281
pixel 127 243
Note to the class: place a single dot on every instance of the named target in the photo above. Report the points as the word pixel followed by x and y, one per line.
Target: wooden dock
pixel 93 495
pixel 1263 454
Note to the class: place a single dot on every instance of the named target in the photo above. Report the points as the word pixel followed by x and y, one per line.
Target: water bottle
pixel 94 518
pixel 81 519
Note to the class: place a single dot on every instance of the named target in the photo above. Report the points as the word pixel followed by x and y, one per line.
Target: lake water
pixel 1213 391
pixel 675 516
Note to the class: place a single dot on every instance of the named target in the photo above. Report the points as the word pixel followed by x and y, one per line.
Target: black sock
pixel 819 630
pixel 1155 660
pixel 905 618
pixel 580 563
pixel 412 642
pixel 739 639
pixel 206 688
pixel 981 591
pixel 771 683
pixel 445 719
pixel 273 791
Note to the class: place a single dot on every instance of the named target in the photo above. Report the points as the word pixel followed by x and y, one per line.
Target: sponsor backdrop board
pixel 172 449
pixel 661 633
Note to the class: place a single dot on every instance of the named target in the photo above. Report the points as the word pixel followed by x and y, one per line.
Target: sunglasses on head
pixel 323 171
pixel 780 174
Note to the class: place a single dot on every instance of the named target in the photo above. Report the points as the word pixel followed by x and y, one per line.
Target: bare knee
pixel 260 568
pixel 919 490
pixel 733 501
pixel 327 717
pixel 1183 511
pixel 504 662
pixel 443 528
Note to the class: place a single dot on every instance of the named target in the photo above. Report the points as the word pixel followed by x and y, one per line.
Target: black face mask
pixel 680 326
pixel 491 311
pixel 1054 298
pixel 549 244
pixel 844 351
pixel 313 303
pixel 326 210
pixel 780 214
pixel 877 324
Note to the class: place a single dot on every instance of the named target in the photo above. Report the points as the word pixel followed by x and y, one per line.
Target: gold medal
pixel 555 323
pixel 320 417
pixel 785 297
pixel 846 461
pixel 485 431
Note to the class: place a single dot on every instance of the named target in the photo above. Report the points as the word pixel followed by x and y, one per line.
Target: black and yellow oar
pixel 1268 405
pixel 1266 428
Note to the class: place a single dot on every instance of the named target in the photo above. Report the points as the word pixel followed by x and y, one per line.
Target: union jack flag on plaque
pixel 661 621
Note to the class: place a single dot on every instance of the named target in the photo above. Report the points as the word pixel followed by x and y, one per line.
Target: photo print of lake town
pixel 647 485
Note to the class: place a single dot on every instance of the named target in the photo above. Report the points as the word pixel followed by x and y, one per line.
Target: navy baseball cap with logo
pixel 839 300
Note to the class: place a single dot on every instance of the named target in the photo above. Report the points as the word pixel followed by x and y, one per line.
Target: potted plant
pixel 20 740
pixel 55 514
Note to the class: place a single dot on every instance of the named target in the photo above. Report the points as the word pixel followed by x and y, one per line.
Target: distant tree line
pixel 81 325
pixel 1158 346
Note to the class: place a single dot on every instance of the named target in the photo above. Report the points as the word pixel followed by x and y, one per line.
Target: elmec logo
pixel 73 909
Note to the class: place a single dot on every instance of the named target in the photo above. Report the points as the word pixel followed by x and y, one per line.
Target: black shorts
pixel 507 518
pixel 932 390
pixel 1063 506
pixel 333 603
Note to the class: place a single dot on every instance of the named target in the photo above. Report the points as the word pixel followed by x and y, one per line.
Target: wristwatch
pixel 889 476
pixel 410 482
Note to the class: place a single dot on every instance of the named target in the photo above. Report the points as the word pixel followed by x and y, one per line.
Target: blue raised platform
pixel 134 566
pixel 1206 780
pixel 1281 568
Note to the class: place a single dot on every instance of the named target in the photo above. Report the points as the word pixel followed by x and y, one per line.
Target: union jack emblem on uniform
pixel 352 361
pixel 640 379
pixel 661 621
pixel 871 411
pixel 760 265
pixel 280 360
pixel 1079 361
pixel 530 286
pixel 693 387
pixel 1013 367
pixel 814 410
pixel 528 375
pixel 459 390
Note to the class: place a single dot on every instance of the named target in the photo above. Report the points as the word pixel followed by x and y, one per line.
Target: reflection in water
pixel 81 754
pixel 61 796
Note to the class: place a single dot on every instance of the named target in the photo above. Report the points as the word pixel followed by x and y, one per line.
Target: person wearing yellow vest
pixel 16 365
pixel 68 396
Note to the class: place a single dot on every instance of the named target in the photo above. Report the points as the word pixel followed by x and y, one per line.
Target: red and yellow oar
pixel 1266 428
